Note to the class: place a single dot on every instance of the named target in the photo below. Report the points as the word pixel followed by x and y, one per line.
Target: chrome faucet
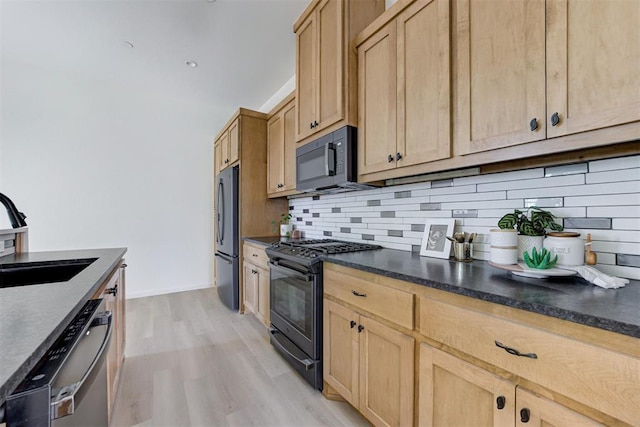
pixel 16 217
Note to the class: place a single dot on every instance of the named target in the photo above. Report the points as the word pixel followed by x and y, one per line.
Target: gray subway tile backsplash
pixel 593 223
pixel 566 169
pixel 430 206
pixel 465 213
pixel 628 260
pixel 600 196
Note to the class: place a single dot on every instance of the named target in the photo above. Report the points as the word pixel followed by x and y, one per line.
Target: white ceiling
pixel 245 48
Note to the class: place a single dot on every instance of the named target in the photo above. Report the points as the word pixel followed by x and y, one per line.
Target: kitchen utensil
pixel 472 237
pixel 459 237
pixel 452 239
pixel 590 258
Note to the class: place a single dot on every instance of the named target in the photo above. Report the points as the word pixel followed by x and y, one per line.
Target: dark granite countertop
pixel 32 317
pixel 568 298
pixel 266 241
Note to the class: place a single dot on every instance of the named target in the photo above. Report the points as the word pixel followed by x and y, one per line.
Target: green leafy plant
pixel 532 222
pixel 284 219
pixel 540 260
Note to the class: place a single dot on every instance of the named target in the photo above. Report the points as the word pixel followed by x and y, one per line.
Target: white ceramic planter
pixel 285 230
pixel 526 243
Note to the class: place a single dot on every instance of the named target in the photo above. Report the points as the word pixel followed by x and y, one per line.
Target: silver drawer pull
pixel 358 294
pixel 516 352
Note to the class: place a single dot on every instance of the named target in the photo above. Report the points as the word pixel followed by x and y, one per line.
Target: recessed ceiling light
pixel 127 44
pixel 192 64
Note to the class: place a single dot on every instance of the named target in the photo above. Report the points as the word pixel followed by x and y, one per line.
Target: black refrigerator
pixel 227 238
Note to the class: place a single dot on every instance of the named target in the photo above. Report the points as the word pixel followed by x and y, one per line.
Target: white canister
pixel 504 237
pixel 504 255
pixel 568 246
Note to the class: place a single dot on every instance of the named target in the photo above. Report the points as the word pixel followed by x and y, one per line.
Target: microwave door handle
pixel 68 397
pixel 330 160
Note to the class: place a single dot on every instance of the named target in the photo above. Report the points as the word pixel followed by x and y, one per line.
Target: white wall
pixel 108 147
pixel 101 164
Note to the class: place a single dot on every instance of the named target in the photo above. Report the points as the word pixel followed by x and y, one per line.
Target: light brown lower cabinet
pixel 453 392
pixel 255 282
pixel 369 364
pixel 113 292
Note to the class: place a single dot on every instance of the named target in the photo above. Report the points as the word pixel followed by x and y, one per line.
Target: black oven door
pixel 296 305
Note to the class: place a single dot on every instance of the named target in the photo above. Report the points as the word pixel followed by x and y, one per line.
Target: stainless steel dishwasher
pixel 68 386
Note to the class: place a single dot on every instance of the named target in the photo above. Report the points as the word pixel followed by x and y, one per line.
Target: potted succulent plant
pixel 285 227
pixel 532 225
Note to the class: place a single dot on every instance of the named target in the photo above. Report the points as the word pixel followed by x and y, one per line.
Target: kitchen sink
pixel 32 273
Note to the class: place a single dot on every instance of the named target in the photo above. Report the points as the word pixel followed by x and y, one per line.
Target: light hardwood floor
pixel 190 361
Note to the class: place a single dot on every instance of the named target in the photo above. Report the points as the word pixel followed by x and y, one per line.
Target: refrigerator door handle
pixel 227 259
pixel 220 213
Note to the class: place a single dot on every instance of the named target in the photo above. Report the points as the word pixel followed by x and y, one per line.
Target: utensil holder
pixel 463 251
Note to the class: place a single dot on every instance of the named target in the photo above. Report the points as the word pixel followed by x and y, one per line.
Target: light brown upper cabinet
pixel 404 89
pixel 593 64
pixel 281 154
pixel 326 64
pixel 590 64
pixel 226 147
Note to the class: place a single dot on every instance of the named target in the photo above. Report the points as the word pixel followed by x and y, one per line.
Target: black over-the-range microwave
pixel 328 164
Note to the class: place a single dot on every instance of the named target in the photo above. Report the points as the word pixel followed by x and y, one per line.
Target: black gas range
pixel 307 251
pixel 296 300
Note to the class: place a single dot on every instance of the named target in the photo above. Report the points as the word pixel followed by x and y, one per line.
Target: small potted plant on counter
pixel 285 226
pixel 531 225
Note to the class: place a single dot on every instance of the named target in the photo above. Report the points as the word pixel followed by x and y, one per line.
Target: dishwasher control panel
pixel 48 366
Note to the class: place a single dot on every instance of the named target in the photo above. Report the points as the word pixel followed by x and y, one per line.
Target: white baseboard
pixel 154 292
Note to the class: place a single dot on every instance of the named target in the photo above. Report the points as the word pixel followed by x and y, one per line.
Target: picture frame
pixel 434 240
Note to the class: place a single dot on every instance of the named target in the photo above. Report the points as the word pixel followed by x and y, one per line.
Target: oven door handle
pixel 308 363
pixel 291 272
pixel 68 397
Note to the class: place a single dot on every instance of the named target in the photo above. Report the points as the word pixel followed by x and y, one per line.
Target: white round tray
pixel 521 269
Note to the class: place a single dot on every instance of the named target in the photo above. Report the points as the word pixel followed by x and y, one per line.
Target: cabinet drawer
pixel 255 255
pixel 597 377
pixel 391 304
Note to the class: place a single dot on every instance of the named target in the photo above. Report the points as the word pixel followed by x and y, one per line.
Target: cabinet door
pixel 263 295
pixel 377 99
pixel 217 158
pixel 500 73
pixel 250 287
pixel 386 374
pixel 329 96
pixel 109 296
pixel 234 141
pixel 122 313
pixel 224 150
pixel 455 393
pixel 535 411
pixel 275 153
pixel 593 64
pixel 289 163
pixel 341 350
pixel 305 78
pixel 424 119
